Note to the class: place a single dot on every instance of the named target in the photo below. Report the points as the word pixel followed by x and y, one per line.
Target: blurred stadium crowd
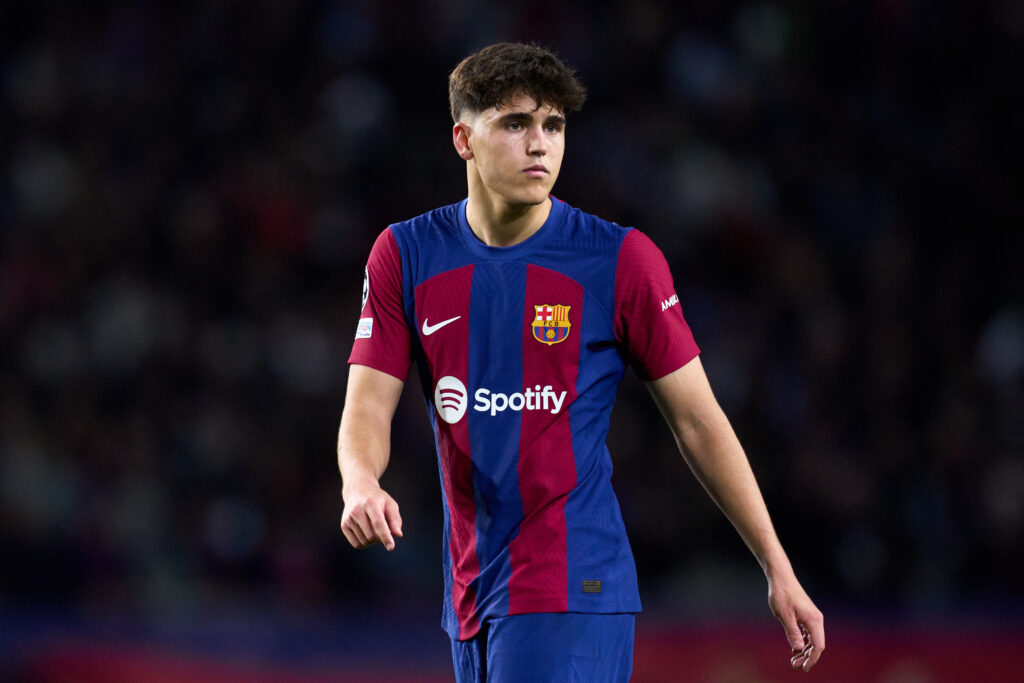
pixel 188 192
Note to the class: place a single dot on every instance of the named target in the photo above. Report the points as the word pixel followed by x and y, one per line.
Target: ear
pixel 460 138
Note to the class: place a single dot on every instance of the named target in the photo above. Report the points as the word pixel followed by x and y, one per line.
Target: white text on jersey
pixel 536 398
pixel 670 302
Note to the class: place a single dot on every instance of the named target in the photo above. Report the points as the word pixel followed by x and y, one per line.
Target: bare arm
pixel 364 446
pixel 711 449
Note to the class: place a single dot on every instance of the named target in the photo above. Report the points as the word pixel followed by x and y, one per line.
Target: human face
pixel 515 151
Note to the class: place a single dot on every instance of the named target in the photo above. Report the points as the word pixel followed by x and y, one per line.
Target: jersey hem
pixel 655 376
pixel 480 624
pixel 395 372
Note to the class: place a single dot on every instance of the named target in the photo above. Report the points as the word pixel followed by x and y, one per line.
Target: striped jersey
pixel 520 352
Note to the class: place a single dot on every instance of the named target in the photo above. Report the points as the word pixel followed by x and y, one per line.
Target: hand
pixel 803 622
pixel 370 516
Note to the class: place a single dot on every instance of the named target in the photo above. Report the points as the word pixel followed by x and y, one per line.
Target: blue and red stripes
pixel 506 475
pixel 441 298
pixel 547 468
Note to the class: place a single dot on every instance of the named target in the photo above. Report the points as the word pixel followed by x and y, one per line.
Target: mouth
pixel 536 171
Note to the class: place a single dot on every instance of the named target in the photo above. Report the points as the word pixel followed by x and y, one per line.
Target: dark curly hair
pixel 500 72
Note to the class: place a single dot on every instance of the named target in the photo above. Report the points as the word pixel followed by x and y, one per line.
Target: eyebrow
pixel 524 117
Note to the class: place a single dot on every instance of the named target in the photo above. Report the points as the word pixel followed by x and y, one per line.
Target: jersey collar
pixel 551 225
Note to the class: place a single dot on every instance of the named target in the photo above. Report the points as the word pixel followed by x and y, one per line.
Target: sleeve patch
pixel 365 329
pixel 383 338
pixel 649 322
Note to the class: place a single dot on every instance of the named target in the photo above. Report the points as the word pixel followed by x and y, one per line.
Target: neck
pixel 499 223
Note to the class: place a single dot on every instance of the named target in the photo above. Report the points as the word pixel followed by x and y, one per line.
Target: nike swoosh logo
pixel 431 329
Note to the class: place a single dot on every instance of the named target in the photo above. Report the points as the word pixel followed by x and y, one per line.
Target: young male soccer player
pixel 522 313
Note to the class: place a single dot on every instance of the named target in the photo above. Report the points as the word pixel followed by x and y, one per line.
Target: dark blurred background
pixel 189 191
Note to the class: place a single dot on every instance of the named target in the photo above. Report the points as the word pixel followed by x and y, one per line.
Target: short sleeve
pixel 649 323
pixel 383 339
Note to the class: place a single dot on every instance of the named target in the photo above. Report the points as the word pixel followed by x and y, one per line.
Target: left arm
pixel 711 449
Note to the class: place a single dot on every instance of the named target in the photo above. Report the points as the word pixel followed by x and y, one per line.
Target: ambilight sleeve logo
pixel 450 399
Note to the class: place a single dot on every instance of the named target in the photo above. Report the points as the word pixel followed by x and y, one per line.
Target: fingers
pixel 811 645
pixel 798 642
pixel 361 528
pixel 804 626
pixel 393 517
pixel 379 526
pixel 349 536
pixel 815 633
pixel 794 634
pixel 372 521
pixel 353 532
pixel 803 651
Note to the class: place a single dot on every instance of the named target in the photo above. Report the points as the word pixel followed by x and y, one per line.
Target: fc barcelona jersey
pixel 520 351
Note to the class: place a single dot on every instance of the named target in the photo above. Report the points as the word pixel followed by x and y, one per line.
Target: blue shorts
pixel 562 647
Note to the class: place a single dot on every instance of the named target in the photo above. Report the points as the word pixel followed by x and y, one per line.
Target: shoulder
pixel 586 229
pixel 637 245
pixel 429 243
pixel 439 221
pixel 640 259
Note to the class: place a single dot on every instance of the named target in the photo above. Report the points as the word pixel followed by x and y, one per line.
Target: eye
pixel 514 125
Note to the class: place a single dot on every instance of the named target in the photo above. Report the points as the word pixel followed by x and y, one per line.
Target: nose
pixel 536 142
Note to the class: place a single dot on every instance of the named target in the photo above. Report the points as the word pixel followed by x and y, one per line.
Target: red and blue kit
pixel 520 351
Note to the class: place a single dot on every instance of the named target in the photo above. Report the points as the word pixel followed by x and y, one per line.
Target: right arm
pixel 370 515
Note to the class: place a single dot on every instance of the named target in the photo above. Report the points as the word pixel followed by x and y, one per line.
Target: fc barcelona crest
pixel 551 325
